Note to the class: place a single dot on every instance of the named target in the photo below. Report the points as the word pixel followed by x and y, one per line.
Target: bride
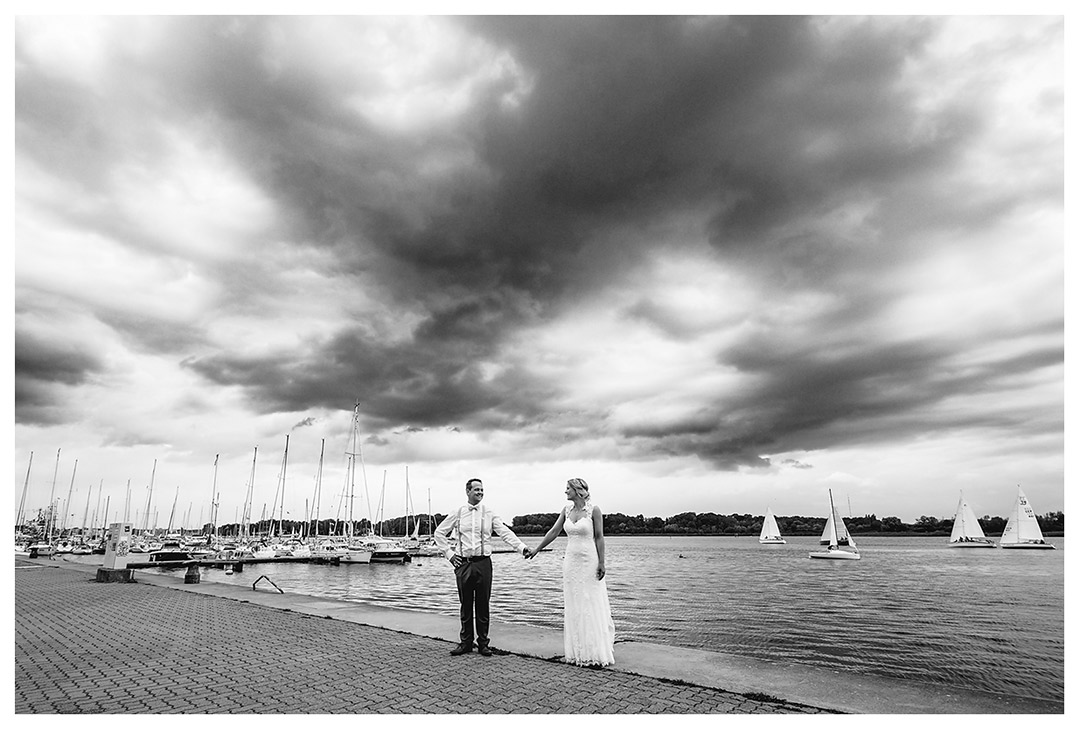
pixel 588 631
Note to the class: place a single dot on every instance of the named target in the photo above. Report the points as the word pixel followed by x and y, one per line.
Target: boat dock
pixel 160 645
pixel 236 564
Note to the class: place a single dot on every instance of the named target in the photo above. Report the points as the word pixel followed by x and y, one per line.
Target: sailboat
pixel 966 530
pixel 1022 529
pixel 836 535
pixel 770 531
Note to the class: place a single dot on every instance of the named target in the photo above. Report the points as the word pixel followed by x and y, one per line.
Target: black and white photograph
pixel 565 360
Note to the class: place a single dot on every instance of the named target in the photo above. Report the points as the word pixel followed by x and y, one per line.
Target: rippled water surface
pixel 912 608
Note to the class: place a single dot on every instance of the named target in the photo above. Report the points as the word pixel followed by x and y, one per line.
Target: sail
pixel 769 528
pixel 1022 525
pixel 835 532
pixel 828 535
pixel 965 524
pixel 843 537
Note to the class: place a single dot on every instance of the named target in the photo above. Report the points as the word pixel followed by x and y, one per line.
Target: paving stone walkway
pixel 88 647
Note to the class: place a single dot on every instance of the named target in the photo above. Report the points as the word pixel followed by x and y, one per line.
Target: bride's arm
pixel 551 534
pixel 598 538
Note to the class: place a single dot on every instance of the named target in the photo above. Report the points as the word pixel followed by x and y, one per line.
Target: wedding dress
pixel 588 631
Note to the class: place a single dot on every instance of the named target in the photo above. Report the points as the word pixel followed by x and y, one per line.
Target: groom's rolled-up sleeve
pixel 442 535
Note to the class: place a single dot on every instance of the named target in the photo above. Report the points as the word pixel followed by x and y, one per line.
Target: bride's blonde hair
pixel 581 487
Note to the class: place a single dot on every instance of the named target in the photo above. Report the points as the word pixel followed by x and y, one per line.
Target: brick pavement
pixel 88 647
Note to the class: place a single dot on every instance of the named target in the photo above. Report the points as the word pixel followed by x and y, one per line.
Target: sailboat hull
pixel 772 541
pixel 1029 546
pixel 357 555
pixel 972 544
pixel 835 555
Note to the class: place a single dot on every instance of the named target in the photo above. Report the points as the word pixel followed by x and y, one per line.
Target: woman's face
pixel 570 491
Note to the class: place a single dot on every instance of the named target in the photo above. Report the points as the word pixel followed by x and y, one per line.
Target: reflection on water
pixel 913 608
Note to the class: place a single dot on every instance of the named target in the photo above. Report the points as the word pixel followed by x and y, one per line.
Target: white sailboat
pixel 966 530
pixel 836 535
pixel 1022 530
pixel 357 550
pixel 770 531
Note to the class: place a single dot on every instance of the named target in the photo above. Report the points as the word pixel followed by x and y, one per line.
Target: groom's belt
pixel 476 558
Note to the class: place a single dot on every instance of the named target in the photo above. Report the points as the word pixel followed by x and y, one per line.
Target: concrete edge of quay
pixel 803 684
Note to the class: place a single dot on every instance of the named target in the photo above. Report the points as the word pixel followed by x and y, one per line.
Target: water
pixel 912 608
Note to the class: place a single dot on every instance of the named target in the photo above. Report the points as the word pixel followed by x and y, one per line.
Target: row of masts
pixel 54 527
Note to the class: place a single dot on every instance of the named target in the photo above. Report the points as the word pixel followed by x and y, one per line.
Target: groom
pixel 470 553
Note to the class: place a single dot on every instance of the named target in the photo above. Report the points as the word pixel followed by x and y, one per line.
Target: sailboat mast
pixel 149 499
pixel 833 540
pixel 246 522
pixel 86 510
pixel 67 504
pixel 213 498
pixel 172 512
pixel 317 497
pixel 408 501
pixel 352 483
pixel 284 466
pixel 51 518
pixel 97 507
pixel 359 454
pixel 22 501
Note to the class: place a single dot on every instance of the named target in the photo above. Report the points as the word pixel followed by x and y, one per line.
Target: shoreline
pixel 794 534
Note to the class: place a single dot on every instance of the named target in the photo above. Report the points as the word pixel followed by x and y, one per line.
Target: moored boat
pixel 40 550
pixel 383 550
pixel 357 552
pixel 170 551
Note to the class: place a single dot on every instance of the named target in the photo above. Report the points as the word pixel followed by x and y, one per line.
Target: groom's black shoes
pixel 484 651
pixel 463 649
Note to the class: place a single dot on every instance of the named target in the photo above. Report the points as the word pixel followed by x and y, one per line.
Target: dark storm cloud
pixel 763 127
pixel 810 398
pixel 431 383
pixel 627 116
pixel 45 369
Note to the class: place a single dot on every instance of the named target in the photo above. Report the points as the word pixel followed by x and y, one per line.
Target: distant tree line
pixel 710 523
pixel 684 523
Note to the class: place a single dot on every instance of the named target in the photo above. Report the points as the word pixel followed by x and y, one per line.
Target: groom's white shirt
pixel 475 525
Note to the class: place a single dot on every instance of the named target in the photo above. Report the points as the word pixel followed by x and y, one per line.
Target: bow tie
pixel 474 506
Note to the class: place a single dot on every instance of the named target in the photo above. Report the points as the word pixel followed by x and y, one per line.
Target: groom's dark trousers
pixel 474 590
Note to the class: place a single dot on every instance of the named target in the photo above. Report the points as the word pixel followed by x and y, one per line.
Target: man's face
pixel 475 492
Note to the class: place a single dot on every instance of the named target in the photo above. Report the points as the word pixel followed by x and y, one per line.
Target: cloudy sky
pixel 708 264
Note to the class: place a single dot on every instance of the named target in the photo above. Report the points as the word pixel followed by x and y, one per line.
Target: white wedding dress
pixel 588 631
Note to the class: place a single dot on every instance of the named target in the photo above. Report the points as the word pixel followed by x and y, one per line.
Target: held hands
pixel 600 572
pixel 527 553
